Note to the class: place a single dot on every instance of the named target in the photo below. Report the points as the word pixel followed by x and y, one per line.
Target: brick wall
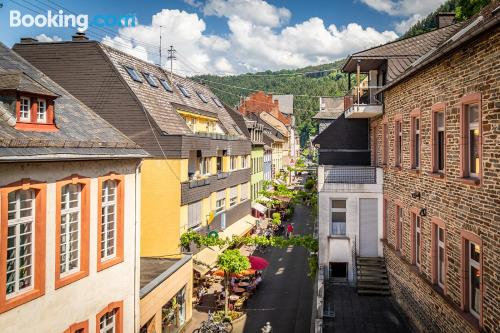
pixel 474 68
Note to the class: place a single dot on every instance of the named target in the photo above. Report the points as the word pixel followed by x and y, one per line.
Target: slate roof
pixel 401 53
pixel 330 115
pixel 239 120
pixel 80 130
pixel 162 105
pixel 285 103
pixel 488 18
pixel 16 80
pixel 333 108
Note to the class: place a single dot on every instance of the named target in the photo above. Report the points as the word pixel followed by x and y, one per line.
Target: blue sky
pixel 232 36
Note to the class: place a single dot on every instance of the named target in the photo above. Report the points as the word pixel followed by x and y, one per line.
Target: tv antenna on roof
pixel 171 57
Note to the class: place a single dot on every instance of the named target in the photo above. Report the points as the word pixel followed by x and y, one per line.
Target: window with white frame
pixel 441 265
pixel 233 162
pixel 25 109
pixel 417 237
pixel 338 213
pixel 399 218
pixel 233 196
pixel 244 192
pixel 108 219
pixel 41 113
pixel 70 232
pixel 20 242
pixel 108 323
pixel 474 285
pixel 204 165
pixel 194 214
pixel 244 161
pixel 220 203
pixel 472 123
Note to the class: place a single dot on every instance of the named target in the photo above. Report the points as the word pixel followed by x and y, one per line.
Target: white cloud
pixel 46 39
pixel 249 45
pixel 404 7
pixel 256 11
pixel 402 26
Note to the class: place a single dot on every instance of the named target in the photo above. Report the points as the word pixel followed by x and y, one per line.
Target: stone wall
pixel 462 206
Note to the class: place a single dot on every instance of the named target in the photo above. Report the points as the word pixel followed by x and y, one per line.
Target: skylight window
pixel 202 97
pixel 183 90
pixel 151 80
pixel 133 74
pixel 165 85
pixel 217 102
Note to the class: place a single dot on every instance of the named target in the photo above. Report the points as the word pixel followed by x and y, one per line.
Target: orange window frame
pixel 436 224
pixel 118 306
pixel 40 189
pixel 398 155
pixel 84 325
pixel 414 214
pixel 33 124
pixel 84 230
pixel 414 115
pixel 118 258
pixel 385 143
pixel 435 109
pixel 466 238
pixel 464 144
pixel 397 242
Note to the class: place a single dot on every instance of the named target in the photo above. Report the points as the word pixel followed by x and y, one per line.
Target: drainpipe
pixel 137 221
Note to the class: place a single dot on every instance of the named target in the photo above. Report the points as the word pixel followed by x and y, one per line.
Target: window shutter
pixel 221 195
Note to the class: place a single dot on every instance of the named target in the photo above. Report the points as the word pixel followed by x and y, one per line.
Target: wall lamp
pixel 415 195
pixel 423 212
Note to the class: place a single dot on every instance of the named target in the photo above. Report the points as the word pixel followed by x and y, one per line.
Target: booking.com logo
pixel 61 20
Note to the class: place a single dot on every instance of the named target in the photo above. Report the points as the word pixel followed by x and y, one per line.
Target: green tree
pixel 467 8
pixel 231 262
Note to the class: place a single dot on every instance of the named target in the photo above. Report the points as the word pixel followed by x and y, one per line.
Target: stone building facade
pixel 419 200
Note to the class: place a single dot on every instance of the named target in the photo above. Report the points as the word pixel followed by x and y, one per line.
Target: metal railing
pixel 351 175
pixel 222 175
pixel 199 182
pixel 354 255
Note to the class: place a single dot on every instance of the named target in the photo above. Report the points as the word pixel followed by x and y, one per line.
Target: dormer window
pixel 25 109
pixel 133 74
pixel 202 97
pixel 35 113
pixel 183 90
pixel 41 113
pixel 151 80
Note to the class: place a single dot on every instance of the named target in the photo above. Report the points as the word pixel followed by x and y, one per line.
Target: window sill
pixel 35 127
pixel 396 168
pixel 64 281
pixel 108 263
pixel 338 237
pixel 471 181
pixel 414 171
pixel 438 175
pixel 9 304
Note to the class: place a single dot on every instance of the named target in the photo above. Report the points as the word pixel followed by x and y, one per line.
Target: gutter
pixel 73 157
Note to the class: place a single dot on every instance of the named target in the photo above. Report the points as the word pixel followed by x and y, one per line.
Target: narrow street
pixel 285 295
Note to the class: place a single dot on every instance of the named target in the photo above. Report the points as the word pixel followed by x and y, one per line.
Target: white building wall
pixel 339 248
pixel 55 311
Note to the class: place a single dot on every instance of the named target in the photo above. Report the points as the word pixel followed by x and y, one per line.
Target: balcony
pixel 362 105
pixel 222 175
pixel 193 183
pixel 349 179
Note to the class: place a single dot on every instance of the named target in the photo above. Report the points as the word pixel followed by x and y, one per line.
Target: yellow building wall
pixel 160 206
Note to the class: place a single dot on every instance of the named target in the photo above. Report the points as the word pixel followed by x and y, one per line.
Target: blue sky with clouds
pixel 232 36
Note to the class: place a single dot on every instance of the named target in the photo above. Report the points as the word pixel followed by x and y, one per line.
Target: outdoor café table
pixel 243 284
pixel 234 297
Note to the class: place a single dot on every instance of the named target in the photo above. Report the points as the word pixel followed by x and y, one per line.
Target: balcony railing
pixel 222 175
pixel 199 182
pixel 217 136
pixel 362 103
pixel 351 175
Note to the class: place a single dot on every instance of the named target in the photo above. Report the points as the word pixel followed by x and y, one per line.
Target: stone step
pixel 371 269
pixel 372 285
pixel 363 292
pixel 370 259
pixel 378 278
pixel 369 264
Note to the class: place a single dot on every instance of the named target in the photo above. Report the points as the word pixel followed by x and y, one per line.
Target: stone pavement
pixel 364 314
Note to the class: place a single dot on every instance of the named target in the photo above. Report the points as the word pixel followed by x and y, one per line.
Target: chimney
pixel 28 40
pixel 445 19
pixel 79 36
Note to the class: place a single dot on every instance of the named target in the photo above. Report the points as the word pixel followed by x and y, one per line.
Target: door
pixel 368 228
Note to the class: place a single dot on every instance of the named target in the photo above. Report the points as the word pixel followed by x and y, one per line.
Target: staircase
pixel 371 276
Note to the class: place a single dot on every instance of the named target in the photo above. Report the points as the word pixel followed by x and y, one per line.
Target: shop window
pixel 174 313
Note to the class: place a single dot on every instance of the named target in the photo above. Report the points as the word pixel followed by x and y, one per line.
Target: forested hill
pixel 312 81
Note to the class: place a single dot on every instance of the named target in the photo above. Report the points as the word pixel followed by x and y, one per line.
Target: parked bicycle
pixel 210 326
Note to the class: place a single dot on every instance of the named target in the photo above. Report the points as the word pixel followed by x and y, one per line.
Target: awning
pixel 239 228
pixel 206 259
pixel 259 207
